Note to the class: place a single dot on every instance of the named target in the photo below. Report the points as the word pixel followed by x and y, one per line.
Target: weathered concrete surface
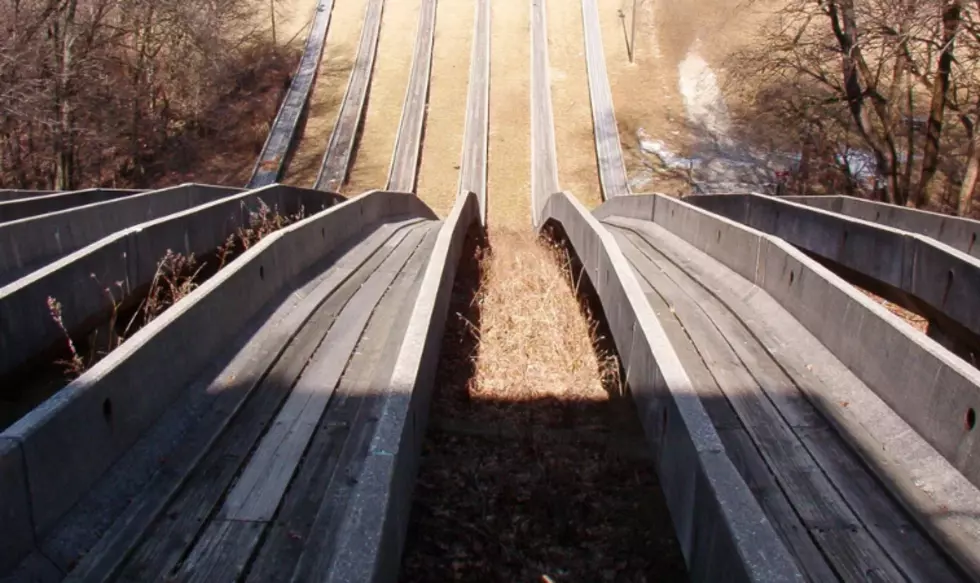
pixel 15 516
pixel 473 166
pixel 932 466
pixel 374 530
pixel 29 243
pixel 609 152
pixel 912 270
pixel 38 205
pixel 138 385
pixel 723 532
pixel 7 195
pixel 129 256
pixel 544 159
pixel 957 232
pixel 403 172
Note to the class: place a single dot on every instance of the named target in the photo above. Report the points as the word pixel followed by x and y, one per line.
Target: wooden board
pixel 884 517
pixel 224 548
pixel 473 167
pixel 248 365
pixel 169 539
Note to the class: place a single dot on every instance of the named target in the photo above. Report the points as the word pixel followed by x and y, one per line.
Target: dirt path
pixel 443 140
pixel 393 63
pixel 577 170
pixel 328 91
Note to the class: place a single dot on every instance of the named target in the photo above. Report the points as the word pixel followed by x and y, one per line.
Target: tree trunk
pixel 965 199
pixel 940 87
pixel 63 142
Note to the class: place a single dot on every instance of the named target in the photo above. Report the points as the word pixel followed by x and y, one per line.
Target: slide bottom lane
pixel 751 367
pixel 249 474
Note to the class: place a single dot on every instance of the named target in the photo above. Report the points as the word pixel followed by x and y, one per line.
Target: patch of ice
pixel 703 99
pixel 668 158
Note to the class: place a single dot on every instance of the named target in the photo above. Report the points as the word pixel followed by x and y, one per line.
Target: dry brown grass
pixel 509 167
pixel 176 276
pixel 448 83
pixel 534 342
pixel 918 322
pixel 534 465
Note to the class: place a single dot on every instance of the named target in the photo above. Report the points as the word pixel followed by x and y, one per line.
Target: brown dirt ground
pixel 392 65
pixel 646 93
pixel 293 19
pixel 328 91
pixel 574 138
pixel 445 123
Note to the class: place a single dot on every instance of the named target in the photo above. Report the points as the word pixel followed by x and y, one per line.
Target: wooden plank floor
pixel 257 485
pixel 272 159
pixel 336 160
pixel 612 169
pixel 834 516
pixel 405 161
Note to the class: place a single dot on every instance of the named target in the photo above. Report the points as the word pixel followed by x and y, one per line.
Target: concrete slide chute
pixel 836 425
pixel 282 137
pixel 915 271
pixel 31 243
pixel 24 207
pixel 323 338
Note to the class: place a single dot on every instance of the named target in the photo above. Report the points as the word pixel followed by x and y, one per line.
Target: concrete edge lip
pixel 128 255
pixel 744 546
pixel 376 521
pixel 922 266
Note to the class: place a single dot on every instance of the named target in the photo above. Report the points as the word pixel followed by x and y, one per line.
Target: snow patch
pixel 703 99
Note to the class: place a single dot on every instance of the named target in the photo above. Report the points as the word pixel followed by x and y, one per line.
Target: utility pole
pixel 272 11
pixel 632 50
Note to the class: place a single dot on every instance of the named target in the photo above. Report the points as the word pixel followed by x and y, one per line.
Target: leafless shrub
pixel 95 91
pixel 177 276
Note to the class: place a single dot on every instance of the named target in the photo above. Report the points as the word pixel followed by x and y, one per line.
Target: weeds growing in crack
pixel 177 275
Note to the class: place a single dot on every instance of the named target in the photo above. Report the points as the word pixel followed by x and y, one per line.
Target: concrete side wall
pixel 27 242
pixel 138 384
pixel 958 232
pixel 932 390
pixel 7 195
pixel 17 534
pixel 130 257
pixel 723 532
pixel 39 205
pixel 376 525
pixel 944 281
